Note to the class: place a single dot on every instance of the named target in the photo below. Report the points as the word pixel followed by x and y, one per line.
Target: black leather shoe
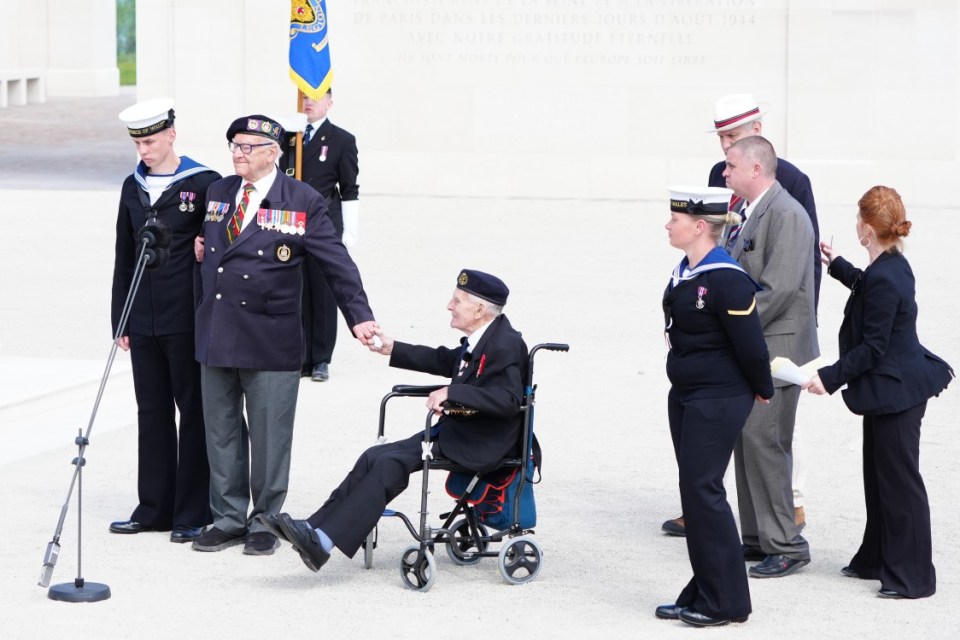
pixel 305 541
pixel 890 594
pixel 776 566
pixel 128 526
pixel 260 543
pixel 752 554
pixel 669 612
pixel 321 372
pixel 182 533
pixel 675 527
pixel 697 619
pixel 213 539
pixel 271 522
pixel 850 573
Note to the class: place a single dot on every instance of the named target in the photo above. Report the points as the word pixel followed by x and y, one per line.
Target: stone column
pixel 82 36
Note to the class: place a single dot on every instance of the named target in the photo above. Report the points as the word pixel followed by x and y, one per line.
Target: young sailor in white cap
pixel 167 189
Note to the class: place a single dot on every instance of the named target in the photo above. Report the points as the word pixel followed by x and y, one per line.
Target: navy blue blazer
pixel 248 315
pixel 797 184
pixel 882 362
pixel 491 383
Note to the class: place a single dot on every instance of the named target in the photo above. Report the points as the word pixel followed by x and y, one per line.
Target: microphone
pixel 155 234
pixel 155 257
pixel 49 562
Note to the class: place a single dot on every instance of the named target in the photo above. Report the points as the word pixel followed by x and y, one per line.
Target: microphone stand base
pixel 84 592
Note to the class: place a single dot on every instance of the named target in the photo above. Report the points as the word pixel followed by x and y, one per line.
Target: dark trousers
pixel 896 547
pixel 249 457
pixel 704 432
pixel 380 474
pixel 319 317
pixel 173 477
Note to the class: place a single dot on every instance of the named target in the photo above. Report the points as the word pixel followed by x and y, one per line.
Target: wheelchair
pixel 466 538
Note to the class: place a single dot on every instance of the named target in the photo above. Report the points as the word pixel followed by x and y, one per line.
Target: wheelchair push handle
pixel 416 390
pixel 550 346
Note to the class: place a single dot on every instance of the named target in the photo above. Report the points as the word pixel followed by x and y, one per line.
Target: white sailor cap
pixel 699 200
pixel 148 117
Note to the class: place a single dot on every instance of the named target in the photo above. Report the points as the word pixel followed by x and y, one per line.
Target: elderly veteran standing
pixel 329 165
pixel 260 226
pixel 887 376
pixel 172 473
pixel 486 372
pixel 718 366
pixel 774 247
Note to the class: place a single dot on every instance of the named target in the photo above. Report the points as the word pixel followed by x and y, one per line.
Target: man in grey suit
pixel 774 247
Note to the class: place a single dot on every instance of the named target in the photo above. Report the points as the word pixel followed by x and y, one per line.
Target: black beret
pixel 256 125
pixel 483 285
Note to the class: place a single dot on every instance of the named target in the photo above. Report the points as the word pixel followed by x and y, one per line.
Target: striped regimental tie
pixel 236 222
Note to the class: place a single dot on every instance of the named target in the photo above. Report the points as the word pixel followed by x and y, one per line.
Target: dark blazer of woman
pixel 882 362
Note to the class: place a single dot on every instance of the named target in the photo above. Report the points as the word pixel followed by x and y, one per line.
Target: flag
pixel 309 49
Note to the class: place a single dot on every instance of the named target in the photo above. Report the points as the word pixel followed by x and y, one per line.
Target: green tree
pixel 127 41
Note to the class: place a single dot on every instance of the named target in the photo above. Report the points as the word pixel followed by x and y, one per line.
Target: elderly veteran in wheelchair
pixel 486 374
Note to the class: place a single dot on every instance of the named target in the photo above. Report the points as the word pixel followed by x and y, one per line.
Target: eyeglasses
pixel 245 148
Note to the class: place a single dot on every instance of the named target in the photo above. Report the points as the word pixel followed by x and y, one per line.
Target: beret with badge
pixel 256 125
pixel 484 286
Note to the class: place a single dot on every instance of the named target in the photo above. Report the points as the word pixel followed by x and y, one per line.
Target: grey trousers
pixel 763 459
pixel 248 458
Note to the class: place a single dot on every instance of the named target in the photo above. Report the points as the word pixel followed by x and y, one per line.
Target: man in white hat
pixel 170 190
pixel 738 116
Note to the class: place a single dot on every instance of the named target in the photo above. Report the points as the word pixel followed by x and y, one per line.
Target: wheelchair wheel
pixel 520 560
pixel 369 544
pixel 417 570
pixel 461 546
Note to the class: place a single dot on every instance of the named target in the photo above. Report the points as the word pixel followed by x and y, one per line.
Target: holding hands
pixel 380 343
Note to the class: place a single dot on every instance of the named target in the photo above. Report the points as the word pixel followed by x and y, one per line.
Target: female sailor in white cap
pixel 718 365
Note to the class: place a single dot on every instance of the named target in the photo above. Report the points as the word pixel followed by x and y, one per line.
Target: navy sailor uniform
pixel 717 363
pixel 172 470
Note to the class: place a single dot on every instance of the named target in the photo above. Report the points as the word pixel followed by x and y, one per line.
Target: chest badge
pixel 283 253
pixel 701 291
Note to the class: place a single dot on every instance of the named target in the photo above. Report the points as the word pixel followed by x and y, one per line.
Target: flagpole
pixel 298 165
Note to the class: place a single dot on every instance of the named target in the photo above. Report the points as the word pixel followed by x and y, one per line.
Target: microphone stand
pixel 80 590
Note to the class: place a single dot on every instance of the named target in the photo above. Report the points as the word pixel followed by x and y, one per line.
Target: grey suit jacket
pixel 774 247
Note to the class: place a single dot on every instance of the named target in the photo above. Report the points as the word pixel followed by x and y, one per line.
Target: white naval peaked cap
pixel 148 117
pixel 699 200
